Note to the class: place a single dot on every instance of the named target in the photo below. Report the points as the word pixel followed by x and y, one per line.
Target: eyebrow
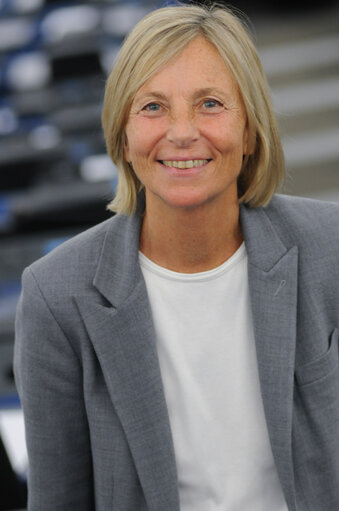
pixel 206 91
pixel 150 95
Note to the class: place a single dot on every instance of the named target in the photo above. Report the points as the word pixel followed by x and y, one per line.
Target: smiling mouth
pixel 184 164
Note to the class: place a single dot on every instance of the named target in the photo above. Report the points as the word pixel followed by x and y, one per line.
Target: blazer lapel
pixel 121 331
pixel 272 270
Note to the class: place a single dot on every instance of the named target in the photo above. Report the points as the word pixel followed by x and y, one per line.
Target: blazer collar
pixel 263 245
pixel 119 260
pixel 118 270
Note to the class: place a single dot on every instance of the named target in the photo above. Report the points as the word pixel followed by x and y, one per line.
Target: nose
pixel 182 130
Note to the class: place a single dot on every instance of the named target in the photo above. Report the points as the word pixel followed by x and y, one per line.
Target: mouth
pixel 184 164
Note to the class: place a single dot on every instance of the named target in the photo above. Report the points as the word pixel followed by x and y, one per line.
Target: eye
pixel 152 107
pixel 212 104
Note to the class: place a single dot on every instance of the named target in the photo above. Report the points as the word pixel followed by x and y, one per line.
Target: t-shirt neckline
pixel 148 264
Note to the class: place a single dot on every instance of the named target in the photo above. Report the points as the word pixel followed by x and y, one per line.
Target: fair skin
pixel 185 138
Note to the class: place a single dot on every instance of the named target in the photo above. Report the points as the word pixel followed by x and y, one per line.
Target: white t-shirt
pixel 207 356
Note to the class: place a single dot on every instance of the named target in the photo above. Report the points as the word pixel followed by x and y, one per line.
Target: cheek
pixel 133 147
pixel 232 140
pixel 137 141
pixel 229 133
pixel 143 136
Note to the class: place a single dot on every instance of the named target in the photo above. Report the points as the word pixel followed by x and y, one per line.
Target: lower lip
pixel 173 171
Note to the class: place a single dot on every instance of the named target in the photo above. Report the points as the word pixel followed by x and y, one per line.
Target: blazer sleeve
pixel 48 375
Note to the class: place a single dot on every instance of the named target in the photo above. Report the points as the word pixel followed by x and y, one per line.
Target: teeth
pixel 180 164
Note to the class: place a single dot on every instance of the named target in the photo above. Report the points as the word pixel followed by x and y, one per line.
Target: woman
pixel 184 354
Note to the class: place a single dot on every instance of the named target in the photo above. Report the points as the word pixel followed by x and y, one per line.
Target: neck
pixel 190 240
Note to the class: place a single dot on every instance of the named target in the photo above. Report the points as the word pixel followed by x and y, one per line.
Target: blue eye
pixel 211 103
pixel 152 107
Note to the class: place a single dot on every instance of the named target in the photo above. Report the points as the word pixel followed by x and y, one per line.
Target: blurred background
pixel 55 177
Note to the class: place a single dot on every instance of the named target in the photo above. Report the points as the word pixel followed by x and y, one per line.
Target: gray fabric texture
pixel 86 366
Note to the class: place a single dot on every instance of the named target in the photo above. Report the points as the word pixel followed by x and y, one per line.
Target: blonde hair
pixel 157 38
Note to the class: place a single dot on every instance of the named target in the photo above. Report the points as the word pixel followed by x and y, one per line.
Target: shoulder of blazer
pixel 304 222
pixel 70 268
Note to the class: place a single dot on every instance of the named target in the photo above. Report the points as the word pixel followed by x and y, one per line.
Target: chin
pixel 187 201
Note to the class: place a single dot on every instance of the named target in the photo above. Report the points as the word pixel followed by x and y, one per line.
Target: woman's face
pixel 186 132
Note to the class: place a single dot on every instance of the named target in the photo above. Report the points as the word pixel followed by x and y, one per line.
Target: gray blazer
pixel 86 366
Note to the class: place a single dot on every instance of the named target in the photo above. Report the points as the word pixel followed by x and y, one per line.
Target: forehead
pixel 198 66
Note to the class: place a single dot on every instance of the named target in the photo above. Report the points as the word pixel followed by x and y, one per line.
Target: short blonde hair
pixel 162 35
